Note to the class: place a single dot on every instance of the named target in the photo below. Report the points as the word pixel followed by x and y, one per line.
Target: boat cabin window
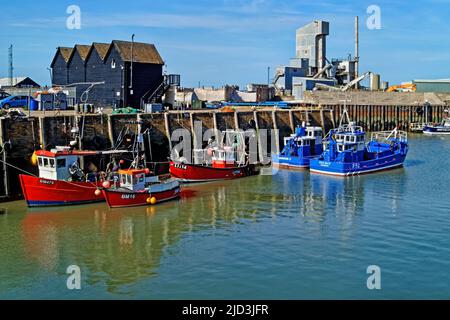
pixel 138 179
pixel 46 162
pixel 345 147
pixel 129 179
pixel 123 179
pixel 61 163
pixel 350 139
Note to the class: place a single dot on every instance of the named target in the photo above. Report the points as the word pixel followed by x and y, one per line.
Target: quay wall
pixel 20 137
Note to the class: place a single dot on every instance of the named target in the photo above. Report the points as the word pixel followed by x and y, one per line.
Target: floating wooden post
pixel 80 138
pixel 80 134
pixel 322 119
pixel 42 133
pixel 258 136
pixel 277 132
pixel 4 158
pixel 197 141
pixel 291 121
pixel 140 131
pixel 333 121
pixel 236 120
pixel 215 121
pixel 167 126
pixel 110 130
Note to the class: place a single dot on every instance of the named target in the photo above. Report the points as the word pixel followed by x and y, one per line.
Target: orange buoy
pixel 147 171
pixel 151 200
pixel 106 185
pixel 98 192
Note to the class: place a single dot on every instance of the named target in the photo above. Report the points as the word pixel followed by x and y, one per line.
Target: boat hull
pixel 357 168
pixel 121 199
pixel 436 130
pixel 40 192
pixel 292 163
pixel 191 173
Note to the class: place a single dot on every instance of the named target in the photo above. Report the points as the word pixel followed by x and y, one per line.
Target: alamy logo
pixel 74 279
pixel 74 19
pixel 374 280
pixel 374 19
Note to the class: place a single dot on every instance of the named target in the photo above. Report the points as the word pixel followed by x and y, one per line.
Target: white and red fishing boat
pixel 137 187
pixel 218 161
pixel 61 181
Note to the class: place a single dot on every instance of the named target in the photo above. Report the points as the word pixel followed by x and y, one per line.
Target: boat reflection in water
pixel 116 248
pixel 318 198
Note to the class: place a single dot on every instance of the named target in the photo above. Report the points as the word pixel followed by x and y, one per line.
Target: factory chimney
pixel 356 48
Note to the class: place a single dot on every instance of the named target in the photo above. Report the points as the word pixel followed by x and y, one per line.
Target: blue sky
pixel 218 42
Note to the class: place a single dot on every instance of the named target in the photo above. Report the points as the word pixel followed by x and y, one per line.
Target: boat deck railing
pixel 417 126
pixel 351 128
pixel 383 136
pixel 201 156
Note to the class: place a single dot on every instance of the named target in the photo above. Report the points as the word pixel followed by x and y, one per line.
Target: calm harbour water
pixel 289 236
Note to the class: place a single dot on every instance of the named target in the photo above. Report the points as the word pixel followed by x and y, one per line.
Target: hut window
pixel 113 64
pixel 61 163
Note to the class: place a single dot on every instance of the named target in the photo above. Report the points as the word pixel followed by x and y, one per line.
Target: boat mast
pixel 345 114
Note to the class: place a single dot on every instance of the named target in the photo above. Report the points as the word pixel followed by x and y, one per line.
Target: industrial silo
pixel 374 82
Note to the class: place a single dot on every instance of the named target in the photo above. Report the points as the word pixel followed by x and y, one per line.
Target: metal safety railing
pixel 383 136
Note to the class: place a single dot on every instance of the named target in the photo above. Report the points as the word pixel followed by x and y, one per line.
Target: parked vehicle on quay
pixel 15 102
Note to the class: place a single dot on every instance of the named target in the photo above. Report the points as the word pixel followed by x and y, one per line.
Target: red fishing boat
pixel 224 161
pixel 61 180
pixel 137 188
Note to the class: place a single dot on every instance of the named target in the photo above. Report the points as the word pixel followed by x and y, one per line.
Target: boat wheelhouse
pixel 138 187
pixel 442 128
pixel 300 148
pixel 61 180
pixel 221 160
pixel 346 152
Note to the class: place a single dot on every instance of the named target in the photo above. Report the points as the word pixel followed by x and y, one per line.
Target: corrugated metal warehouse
pixel 440 86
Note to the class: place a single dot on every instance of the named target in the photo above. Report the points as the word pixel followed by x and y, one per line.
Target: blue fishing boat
pixel 300 148
pixel 442 128
pixel 346 152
